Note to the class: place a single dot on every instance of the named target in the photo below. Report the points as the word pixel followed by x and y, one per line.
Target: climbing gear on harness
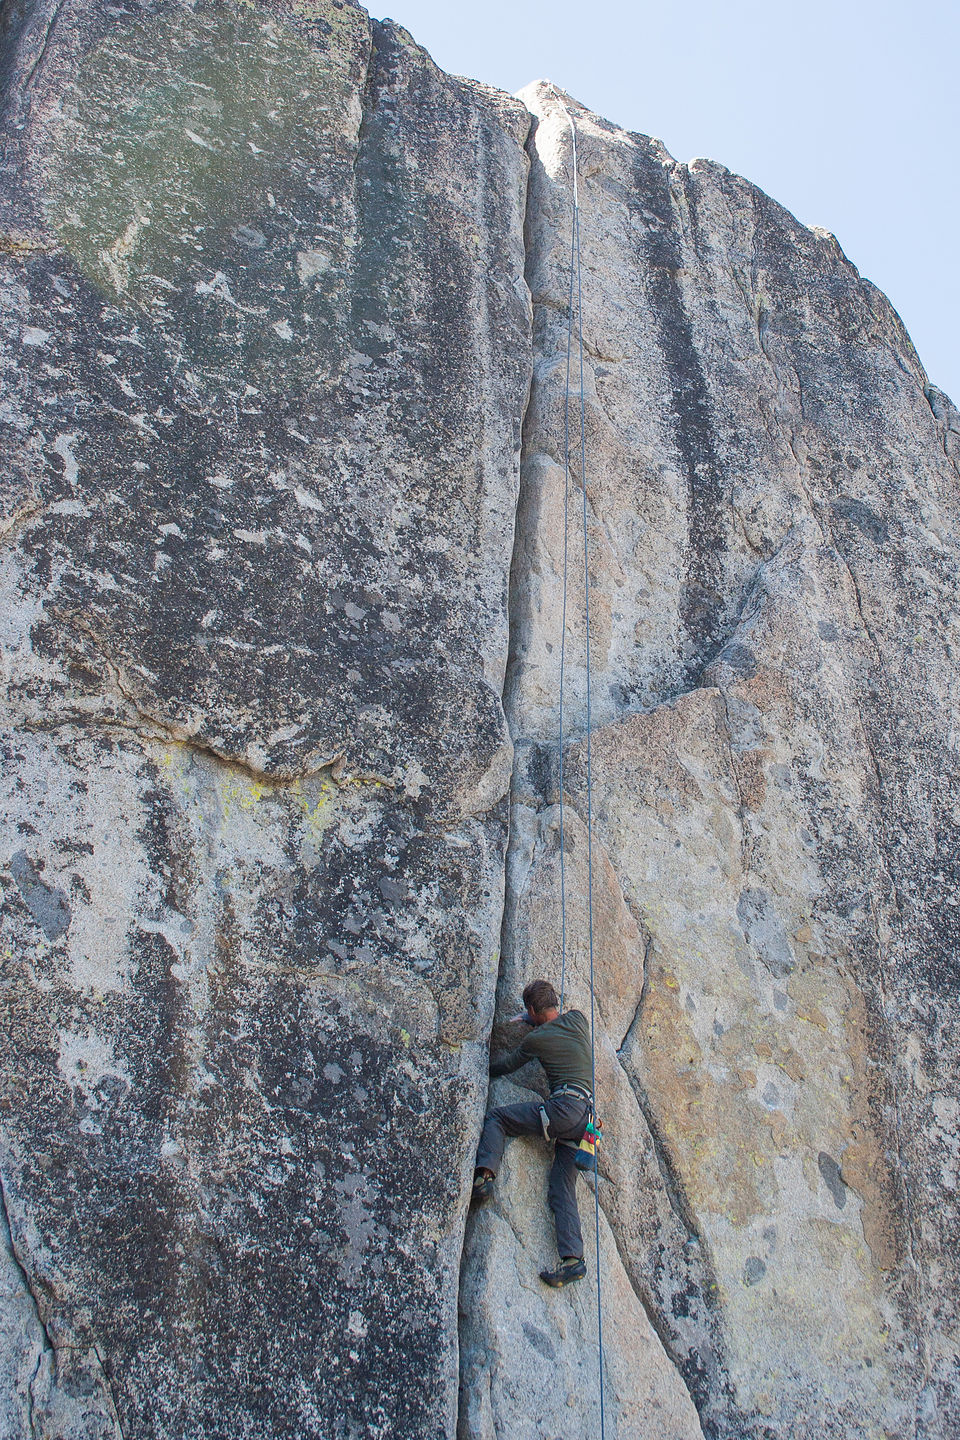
pixel 567 1270
pixel 579 1093
pixel 586 1157
pixel 587 1148
pixel 576 270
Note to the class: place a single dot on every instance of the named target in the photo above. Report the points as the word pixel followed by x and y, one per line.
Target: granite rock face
pixel 266 354
pixel 772 498
pixel 281 809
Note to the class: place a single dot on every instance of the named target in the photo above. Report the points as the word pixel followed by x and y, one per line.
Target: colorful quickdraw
pixel 586 1156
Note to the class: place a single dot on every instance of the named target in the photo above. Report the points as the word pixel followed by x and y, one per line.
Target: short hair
pixel 539 996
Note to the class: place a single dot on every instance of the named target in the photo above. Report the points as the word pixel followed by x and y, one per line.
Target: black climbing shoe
pixel 566 1271
pixel 482 1189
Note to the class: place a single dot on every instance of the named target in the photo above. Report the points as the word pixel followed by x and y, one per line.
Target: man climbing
pixel 562 1045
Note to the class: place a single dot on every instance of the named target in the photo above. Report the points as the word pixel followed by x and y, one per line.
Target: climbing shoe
pixel 482 1189
pixel 566 1271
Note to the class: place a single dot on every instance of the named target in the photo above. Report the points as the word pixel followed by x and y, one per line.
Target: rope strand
pixel 576 267
pixel 563 618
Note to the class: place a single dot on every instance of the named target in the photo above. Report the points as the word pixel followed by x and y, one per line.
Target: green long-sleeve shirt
pixel 563 1048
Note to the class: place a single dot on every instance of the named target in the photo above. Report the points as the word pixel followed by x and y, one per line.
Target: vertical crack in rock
pixel 470 1376
pixel 671 1184
pixel 533 788
pixel 110 1392
pixel 46 1348
pixel 44 43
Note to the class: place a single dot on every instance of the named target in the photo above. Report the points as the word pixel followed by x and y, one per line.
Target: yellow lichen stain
pixel 241 794
pixel 172 760
pixel 813 1016
pixel 319 813
pixel 320 810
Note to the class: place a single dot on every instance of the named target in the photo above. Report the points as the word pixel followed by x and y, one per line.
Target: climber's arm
pixel 512 1060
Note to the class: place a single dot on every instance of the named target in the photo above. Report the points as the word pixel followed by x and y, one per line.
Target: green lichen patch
pixel 204 175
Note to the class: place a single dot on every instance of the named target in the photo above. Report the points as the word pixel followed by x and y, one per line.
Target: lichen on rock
pixel 284 315
pixel 255 761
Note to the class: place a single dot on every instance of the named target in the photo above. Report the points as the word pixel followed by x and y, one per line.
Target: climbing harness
pixel 586 1148
pixel 594 1126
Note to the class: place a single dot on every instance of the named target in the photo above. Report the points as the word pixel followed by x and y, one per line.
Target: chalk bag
pixel 586 1156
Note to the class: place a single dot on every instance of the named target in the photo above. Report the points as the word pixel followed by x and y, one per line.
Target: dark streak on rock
pixel 47 905
pixel 703 603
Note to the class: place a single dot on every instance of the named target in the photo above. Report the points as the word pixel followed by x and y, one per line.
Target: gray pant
pixel 568 1119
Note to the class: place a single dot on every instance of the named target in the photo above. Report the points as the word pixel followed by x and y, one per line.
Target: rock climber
pixel 562 1045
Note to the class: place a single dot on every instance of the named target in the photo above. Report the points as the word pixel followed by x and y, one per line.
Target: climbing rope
pixel 574 239
pixel 576 270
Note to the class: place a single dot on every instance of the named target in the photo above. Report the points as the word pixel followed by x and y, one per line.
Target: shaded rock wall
pixel 280 624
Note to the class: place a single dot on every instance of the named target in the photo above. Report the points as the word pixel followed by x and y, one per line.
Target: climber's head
pixel 540 1000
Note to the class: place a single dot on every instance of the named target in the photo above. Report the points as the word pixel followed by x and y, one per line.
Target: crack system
pixel 147 725
pixel 44 44
pixel 518 623
pixel 47 1347
pixel 142 722
pixel 111 1393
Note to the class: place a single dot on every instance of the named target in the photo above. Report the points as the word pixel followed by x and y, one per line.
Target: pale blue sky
pixel 845 112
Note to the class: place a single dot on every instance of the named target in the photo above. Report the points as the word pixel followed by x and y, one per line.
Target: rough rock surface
pixel 266 354
pixel 772 493
pixel 281 622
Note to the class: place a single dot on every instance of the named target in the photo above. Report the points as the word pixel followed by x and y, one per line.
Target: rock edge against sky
pixel 284 318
